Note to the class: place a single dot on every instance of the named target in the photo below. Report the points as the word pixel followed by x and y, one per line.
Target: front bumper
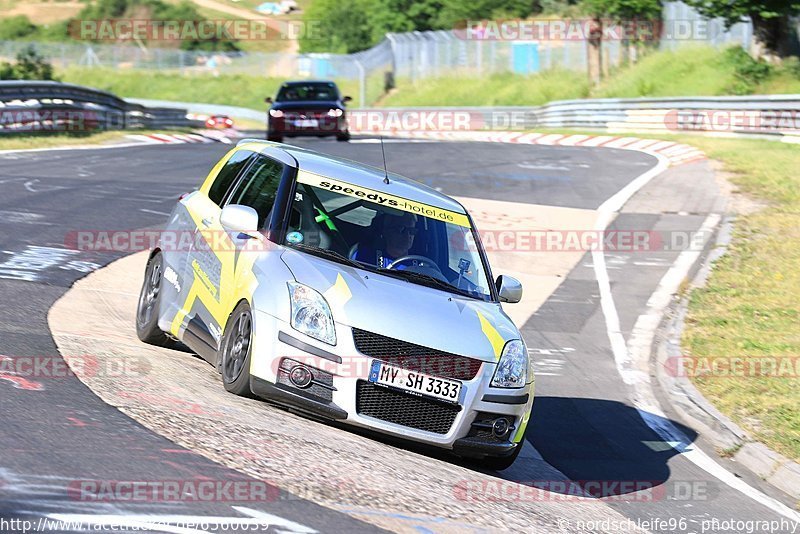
pixel 325 126
pixel 342 395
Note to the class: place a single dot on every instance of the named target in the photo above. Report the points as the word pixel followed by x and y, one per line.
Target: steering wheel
pixel 424 262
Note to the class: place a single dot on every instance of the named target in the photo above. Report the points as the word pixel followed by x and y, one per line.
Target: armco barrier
pixel 43 106
pixel 770 115
pixel 32 103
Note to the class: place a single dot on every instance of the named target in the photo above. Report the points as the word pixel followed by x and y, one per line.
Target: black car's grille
pixel 403 409
pixel 305 114
pixel 416 357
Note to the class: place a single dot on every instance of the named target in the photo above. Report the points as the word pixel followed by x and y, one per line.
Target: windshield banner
pixel 383 199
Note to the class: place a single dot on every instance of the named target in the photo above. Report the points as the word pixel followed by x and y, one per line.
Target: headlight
pixel 276 113
pixel 512 370
pixel 335 112
pixel 311 314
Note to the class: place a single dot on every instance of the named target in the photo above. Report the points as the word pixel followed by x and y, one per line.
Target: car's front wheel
pixel 275 138
pixel 235 351
pixel 149 306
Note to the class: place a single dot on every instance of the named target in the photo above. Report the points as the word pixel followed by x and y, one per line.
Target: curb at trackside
pixel 697 411
pixel 774 468
pixel 134 140
pixel 676 153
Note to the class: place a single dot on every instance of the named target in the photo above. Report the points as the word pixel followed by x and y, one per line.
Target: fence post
pixel 362 89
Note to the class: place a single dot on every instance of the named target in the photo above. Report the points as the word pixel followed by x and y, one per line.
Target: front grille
pixel 305 114
pixel 402 409
pixel 416 357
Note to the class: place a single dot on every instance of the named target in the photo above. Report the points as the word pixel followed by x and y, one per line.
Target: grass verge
pixel 244 90
pixel 750 307
pixel 688 71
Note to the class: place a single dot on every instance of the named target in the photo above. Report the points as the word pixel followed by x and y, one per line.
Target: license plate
pixel 415 382
pixel 306 123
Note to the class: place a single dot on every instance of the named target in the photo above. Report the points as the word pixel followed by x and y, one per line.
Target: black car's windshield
pixel 425 245
pixel 312 91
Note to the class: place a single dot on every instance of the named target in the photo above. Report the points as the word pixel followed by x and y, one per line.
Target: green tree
pixel 154 10
pixel 772 31
pixel 339 26
pixel 17 27
pixel 633 19
pixel 29 65
pixel 455 12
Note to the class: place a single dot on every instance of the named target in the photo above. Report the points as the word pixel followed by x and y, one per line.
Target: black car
pixel 314 108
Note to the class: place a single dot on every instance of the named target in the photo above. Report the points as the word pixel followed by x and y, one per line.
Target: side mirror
pixel 238 218
pixel 347 99
pixel 510 289
pixel 268 100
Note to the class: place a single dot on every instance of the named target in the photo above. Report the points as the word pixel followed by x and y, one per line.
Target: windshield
pixel 423 244
pixel 308 91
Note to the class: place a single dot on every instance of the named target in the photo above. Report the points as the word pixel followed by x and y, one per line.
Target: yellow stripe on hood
pixel 492 335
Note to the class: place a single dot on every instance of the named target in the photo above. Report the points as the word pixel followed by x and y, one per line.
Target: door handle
pixel 207 221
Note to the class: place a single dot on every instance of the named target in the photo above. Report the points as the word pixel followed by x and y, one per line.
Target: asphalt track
pixel 583 423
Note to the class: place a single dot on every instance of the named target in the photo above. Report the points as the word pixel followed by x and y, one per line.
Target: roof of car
pixel 305 82
pixel 362 175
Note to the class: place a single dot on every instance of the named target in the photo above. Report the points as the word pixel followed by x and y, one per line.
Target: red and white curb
pixel 212 136
pixel 676 153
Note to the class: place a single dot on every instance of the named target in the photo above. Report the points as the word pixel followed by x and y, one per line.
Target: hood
pixel 315 105
pixel 402 310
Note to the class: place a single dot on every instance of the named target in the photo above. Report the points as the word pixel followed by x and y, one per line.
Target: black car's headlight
pixel 276 113
pixel 512 369
pixel 336 112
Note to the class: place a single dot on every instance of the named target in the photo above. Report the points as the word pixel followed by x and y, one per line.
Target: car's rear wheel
pixel 148 309
pixel 235 351
pixel 500 463
pixel 344 136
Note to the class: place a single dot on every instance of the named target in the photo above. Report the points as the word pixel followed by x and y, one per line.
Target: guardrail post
pixel 362 89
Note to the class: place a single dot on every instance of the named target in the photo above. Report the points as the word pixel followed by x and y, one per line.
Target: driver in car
pixel 395 241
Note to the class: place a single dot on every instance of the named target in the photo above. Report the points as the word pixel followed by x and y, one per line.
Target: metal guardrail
pixel 46 106
pixel 753 115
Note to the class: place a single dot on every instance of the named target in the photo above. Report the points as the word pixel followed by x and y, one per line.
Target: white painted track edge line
pixel 619 347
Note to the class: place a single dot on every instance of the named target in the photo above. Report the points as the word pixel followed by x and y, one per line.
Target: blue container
pixel 525 57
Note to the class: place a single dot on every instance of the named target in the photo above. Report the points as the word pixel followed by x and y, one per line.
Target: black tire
pixel 275 138
pixel 343 136
pixel 147 311
pixel 500 463
pixel 235 351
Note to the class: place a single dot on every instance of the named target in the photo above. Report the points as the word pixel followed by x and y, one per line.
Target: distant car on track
pixel 308 108
pixel 219 122
pixel 340 292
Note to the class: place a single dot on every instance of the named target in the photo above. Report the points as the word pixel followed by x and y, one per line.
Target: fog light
pixel 500 427
pixel 301 376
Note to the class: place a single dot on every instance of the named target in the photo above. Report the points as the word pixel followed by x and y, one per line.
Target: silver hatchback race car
pixel 343 293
